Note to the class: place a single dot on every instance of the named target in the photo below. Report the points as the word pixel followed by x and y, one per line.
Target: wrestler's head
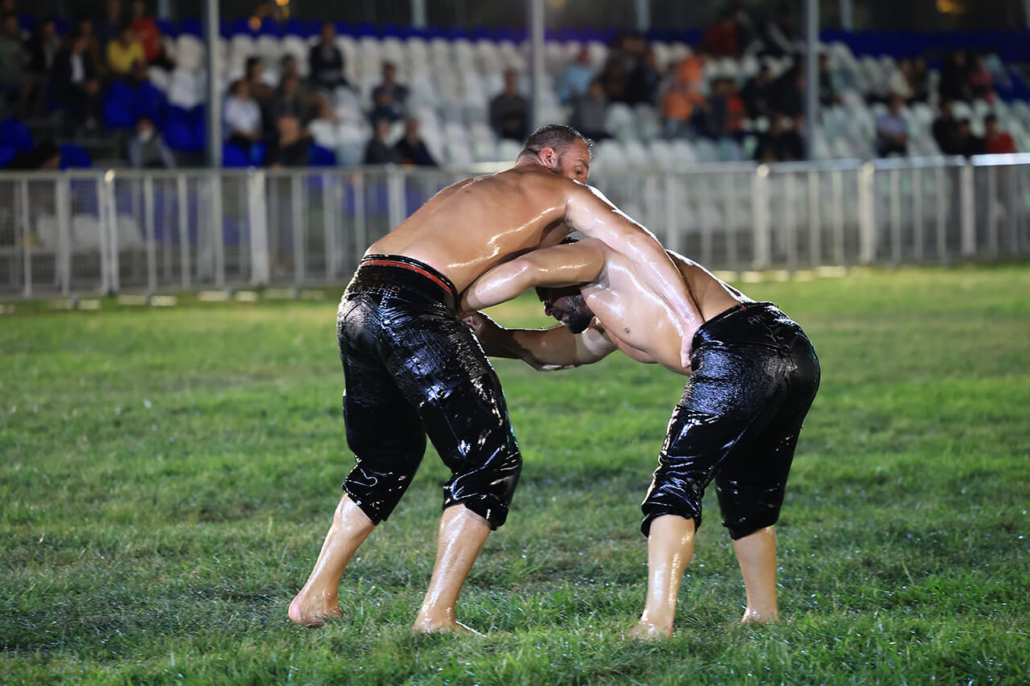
pixel 567 306
pixel 561 149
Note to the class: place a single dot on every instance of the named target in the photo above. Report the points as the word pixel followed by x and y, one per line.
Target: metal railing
pixel 163 231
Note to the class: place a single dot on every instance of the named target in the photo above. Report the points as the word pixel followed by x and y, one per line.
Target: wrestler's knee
pixel 486 484
pixel 746 508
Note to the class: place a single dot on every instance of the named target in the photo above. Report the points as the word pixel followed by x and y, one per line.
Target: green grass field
pixel 168 474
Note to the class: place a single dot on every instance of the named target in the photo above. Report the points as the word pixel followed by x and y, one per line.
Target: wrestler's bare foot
pixel 424 625
pixel 312 610
pixel 649 631
pixel 753 616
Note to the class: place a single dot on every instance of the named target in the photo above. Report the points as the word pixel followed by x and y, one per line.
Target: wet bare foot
pixel 313 611
pixel 428 626
pixel 756 617
pixel 648 631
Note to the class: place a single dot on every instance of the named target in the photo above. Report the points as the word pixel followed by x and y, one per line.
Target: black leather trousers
pixel 413 369
pixel 755 375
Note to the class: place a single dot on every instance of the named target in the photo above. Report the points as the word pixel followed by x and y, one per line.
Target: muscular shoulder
pixel 541 184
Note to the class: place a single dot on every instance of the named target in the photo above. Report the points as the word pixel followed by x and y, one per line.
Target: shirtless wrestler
pixel 413 369
pixel 752 377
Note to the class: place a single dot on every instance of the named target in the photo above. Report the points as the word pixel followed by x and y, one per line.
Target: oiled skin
pixel 473 225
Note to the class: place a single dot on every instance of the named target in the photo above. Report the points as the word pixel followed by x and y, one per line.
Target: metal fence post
pixel 815 248
pixel 329 224
pixel 360 218
pixel 790 220
pixel 837 206
pixel 103 237
pixel 110 225
pixel 760 217
pixel 257 217
pixel 992 212
pixel 940 212
pixel 866 216
pixel 217 228
pixel 672 228
pixel 26 235
pixel 895 210
pixel 730 224
pixel 706 222
pixel 62 200
pixel 184 231
pixel 148 224
pixel 918 239
pixel 297 225
pixel 968 210
pixel 395 200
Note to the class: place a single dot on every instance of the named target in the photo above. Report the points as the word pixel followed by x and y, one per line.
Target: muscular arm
pixel 562 265
pixel 588 211
pixel 540 348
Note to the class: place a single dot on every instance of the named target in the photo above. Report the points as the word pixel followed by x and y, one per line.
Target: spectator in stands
pixel 323 128
pixel 285 102
pixel 900 81
pixel 77 84
pixel 411 149
pixel 920 80
pixel 147 148
pixel 643 82
pixel 289 66
pixel 793 139
pixel 721 39
pixel 124 52
pixel 43 156
pixel 290 147
pixel 729 109
pixel 93 46
pixel 42 47
pixel 954 83
pixel 747 35
pixel 254 73
pixel 790 92
pixel 968 144
pixel 325 61
pixel 509 111
pixel 759 93
pixel 683 101
pixel 997 142
pixel 827 89
pixel 110 26
pixel 614 77
pixel 398 91
pixel 945 129
pixel 149 34
pixel 15 82
pixel 590 113
pixel 383 108
pixel 379 150
pixel 981 80
pixel 577 77
pixel 772 145
pixel 892 130
pixel 242 116
pixel 780 38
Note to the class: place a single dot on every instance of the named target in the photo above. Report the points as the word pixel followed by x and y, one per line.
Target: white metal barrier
pixel 157 231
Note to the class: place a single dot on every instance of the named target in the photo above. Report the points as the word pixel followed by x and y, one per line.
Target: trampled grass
pixel 167 477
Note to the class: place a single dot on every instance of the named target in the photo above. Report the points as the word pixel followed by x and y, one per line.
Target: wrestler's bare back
pixel 469 227
pixel 639 323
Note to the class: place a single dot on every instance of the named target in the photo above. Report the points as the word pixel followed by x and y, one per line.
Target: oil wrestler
pixel 753 375
pixel 413 369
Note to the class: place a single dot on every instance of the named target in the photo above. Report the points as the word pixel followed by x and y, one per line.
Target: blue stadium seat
pixel 151 102
pixel 233 157
pixel 321 157
pixel 257 154
pixel 179 136
pixel 119 106
pixel 74 157
pixel 14 134
pixel 6 155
